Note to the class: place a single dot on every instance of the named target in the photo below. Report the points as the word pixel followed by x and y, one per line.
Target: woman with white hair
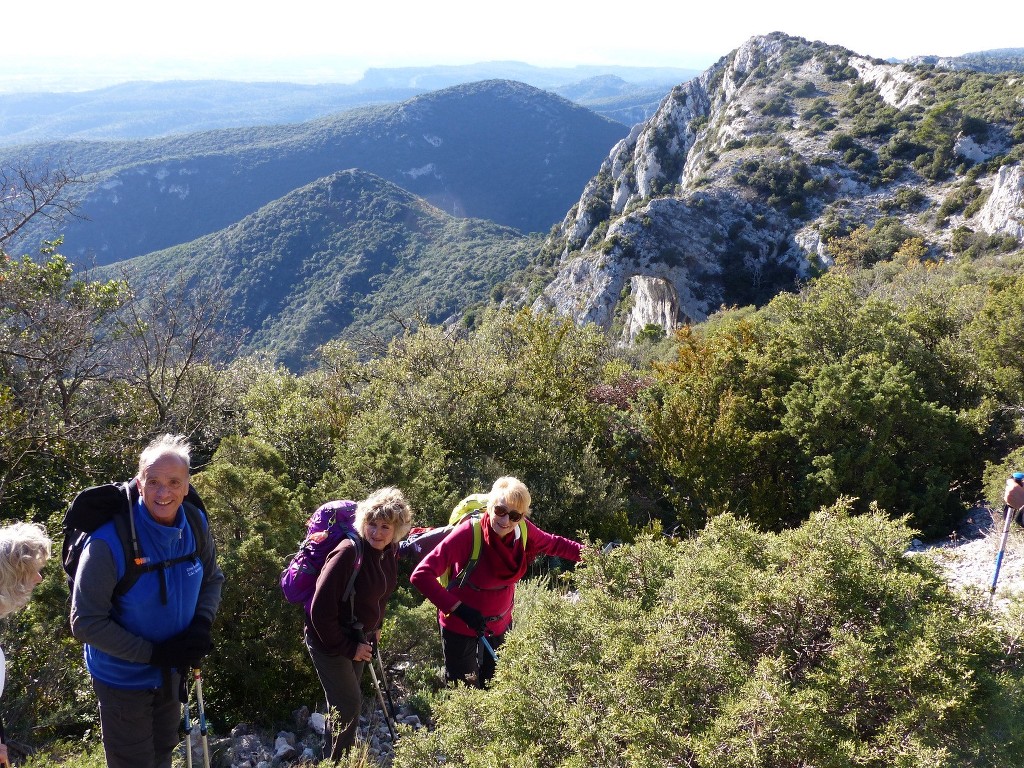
pixel 24 550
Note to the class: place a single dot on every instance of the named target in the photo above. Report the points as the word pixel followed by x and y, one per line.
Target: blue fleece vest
pixel 140 610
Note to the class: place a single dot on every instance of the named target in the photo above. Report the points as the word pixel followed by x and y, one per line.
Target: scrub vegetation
pixel 765 468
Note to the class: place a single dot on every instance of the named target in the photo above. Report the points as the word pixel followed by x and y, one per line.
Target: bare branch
pixel 31 192
pixel 166 333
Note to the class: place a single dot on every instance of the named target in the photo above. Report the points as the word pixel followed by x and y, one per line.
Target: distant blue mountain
pixel 140 110
pixel 496 150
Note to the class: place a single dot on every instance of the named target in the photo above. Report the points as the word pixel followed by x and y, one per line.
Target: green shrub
pixel 957 200
pixel 783 183
pixel 824 645
pixel 905 199
pixel 69 754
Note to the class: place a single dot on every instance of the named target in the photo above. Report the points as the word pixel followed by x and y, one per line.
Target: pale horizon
pixel 109 41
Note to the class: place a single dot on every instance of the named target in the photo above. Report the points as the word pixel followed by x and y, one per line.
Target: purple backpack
pixel 325 529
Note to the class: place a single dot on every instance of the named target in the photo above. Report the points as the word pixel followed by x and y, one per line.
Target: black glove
pixel 473 618
pixel 198 642
pixel 171 653
pixel 186 649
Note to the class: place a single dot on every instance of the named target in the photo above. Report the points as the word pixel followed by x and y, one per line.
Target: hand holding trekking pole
pixel 472 617
pixel 1014 497
pixel 380 694
pixel 1014 494
pixel 364 652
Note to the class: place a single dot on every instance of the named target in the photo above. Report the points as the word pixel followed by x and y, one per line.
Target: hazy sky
pixel 61 36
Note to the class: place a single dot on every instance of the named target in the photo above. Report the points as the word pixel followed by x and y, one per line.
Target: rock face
pixel 1003 212
pixel 654 303
pixel 734 188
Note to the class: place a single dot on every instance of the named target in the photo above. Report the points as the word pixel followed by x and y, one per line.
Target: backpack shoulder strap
pixel 124 525
pixel 199 523
pixel 474 555
pixel 134 563
pixel 350 588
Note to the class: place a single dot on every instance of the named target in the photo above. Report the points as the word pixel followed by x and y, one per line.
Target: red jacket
pixel 483 590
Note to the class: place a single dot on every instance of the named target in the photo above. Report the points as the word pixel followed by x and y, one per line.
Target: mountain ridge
pixel 498 150
pixel 151 109
pixel 756 174
pixel 349 255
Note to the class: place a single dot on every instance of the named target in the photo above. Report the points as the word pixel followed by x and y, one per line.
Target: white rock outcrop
pixel 655 302
pixel 897 87
pixel 1003 212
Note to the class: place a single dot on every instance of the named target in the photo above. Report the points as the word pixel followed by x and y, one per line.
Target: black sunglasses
pixel 514 516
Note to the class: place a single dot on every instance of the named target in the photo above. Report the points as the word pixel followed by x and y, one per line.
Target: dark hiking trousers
pixel 340 678
pixel 465 658
pixel 140 728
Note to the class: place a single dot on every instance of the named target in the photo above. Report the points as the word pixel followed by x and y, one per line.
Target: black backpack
pixel 95 506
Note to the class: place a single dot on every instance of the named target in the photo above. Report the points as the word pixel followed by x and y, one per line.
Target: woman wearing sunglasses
pixel 480 602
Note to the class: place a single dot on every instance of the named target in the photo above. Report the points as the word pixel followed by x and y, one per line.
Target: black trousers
pixel 465 658
pixel 140 728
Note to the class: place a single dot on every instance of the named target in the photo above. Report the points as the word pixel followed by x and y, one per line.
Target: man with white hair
pixel 140 640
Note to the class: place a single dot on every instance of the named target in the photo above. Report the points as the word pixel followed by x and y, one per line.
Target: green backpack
pixel 421 541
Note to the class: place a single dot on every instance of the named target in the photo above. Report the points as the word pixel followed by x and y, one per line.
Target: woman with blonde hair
pixel 481 604
pixel 24 550
pixel 341 628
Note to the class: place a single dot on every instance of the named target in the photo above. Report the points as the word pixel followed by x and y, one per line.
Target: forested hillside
pixel 349 256
pixel 495 150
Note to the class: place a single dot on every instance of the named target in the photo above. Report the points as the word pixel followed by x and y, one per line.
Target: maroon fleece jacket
pixel 329 623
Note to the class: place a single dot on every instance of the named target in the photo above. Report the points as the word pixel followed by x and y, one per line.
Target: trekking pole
pixel 383 706
pixel 202 716
pixel 183 695
pixel 1010 513
pixel 489 648
pixel 384 678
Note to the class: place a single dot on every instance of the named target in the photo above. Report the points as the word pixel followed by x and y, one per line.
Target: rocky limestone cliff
pixel 1004 209
pixel 733 189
